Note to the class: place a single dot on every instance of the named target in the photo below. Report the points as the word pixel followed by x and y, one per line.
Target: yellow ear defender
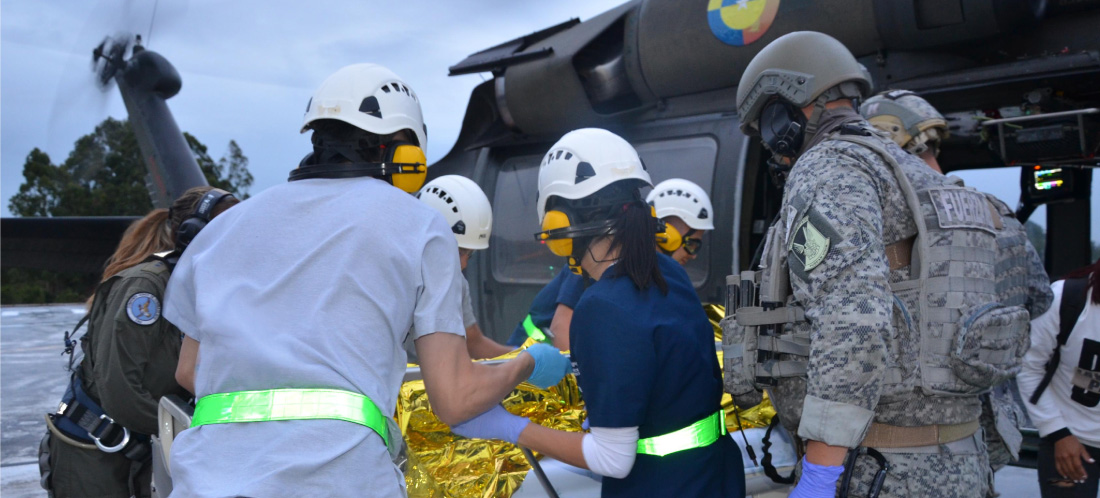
pixel 402 162
pixel 552 221
pixel 412 166
pixel 670 239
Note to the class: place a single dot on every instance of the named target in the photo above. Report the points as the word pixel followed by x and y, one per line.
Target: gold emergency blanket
pixel 442 464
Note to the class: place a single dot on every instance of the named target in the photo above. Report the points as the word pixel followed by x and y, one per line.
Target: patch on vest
pixel 143 308
pixel 960 208
pixel 809 244
pixel 1087 380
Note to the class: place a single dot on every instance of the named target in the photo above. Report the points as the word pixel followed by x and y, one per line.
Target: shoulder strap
pixel 70 342
pixel 1073 303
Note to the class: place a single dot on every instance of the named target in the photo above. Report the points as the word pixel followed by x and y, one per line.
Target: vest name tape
pixel 959 208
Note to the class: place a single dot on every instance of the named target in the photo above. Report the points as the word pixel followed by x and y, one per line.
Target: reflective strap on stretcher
pixel 290 404
pixel 533 331
pixel 702 433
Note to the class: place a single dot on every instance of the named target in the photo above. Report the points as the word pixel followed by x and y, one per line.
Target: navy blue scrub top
pixel 566 288
pixel 648 360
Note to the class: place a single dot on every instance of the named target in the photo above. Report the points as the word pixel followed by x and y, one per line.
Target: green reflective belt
pixel 533 331
pixel 290 404
pixel 697 435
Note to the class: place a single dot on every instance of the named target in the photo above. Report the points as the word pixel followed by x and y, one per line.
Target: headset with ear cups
pixel 403 164
pixel 669 238
pixel 197 220
pixel 558 233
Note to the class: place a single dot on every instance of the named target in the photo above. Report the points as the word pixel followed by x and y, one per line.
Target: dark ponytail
pixel 633 236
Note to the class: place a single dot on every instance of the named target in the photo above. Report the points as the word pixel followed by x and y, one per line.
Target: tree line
pixel 104 175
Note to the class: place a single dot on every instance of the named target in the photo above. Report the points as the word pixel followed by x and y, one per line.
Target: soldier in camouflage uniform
pixel 916 126
pixel 848 370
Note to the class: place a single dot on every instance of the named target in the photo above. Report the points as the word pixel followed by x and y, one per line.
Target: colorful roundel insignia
pixel 741 22
pixel 143 308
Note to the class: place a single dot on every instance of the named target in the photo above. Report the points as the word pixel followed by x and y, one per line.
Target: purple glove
pixel 550 365
pixel 818 481
pixel 496 423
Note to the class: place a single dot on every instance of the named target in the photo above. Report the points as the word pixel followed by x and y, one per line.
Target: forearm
pixel 819 453
pixel 846 369
pixel 559 326
pixel 459 389
pixel 188 362
pixel 560 445
pixel 480 346
pixel 129 404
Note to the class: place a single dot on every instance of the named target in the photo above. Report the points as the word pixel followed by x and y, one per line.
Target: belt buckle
pixel 111 449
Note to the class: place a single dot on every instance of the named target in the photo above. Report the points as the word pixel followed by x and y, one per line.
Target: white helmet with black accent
pixel 371 98
pixel 584 161
pixel 464 206
pixel 685 200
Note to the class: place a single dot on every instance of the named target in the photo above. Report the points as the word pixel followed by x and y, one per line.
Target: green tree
pixel 104 175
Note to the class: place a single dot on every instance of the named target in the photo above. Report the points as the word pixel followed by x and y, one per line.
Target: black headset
pixel 782 128
pixel 194 223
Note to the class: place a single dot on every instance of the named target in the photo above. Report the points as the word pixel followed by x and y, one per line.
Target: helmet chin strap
pixel 815 117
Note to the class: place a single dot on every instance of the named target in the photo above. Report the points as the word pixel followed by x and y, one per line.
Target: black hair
pixel 1093 273
pixel 633 231
pixel 633 235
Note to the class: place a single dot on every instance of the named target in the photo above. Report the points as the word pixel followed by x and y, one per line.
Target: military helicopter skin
pixel 663 74
pixel 146 81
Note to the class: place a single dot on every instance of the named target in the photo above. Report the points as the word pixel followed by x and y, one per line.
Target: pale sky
pixel 249 67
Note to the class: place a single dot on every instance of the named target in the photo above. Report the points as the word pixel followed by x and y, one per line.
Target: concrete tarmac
pixel 33 378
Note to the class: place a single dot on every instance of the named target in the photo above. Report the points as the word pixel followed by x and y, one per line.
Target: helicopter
pixel 1019 81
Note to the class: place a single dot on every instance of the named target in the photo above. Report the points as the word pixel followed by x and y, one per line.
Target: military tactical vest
pixel 968 341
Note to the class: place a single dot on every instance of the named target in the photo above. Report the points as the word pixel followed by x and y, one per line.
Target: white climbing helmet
pixel 371 98
pixel 464 206
pixel 584 161
pixel 684 199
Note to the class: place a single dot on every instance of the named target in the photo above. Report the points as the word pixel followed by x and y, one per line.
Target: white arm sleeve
pixel 1044 338
pixel 610 451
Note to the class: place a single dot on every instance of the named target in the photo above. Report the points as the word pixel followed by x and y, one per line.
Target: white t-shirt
pixel 469 319
pixel 1062 406
pixel 310 284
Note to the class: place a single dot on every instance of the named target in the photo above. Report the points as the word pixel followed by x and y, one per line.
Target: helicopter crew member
pixel 858 318
pixel 466 208
pixel 130 354
pixel 685 209
pixel 916 126
pixel 641 340
pixel 295 313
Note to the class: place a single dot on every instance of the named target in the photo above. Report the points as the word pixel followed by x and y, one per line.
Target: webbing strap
pixel 962 253
pixel 784 344
pixel 290 404
pixel 754 316
pixel 532 330
pixel 697 435
pixel 893 436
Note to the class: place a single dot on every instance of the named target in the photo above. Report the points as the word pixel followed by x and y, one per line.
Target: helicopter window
pixel 691 159
pixel 516 256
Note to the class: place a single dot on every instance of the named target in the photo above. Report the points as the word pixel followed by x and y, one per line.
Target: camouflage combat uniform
pixel 842 207
pixel 1021 280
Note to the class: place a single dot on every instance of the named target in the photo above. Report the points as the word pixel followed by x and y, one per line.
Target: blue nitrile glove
pixel 496 423
pixel 550 365
pixel 818 481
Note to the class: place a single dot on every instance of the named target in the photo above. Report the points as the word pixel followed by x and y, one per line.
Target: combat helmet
pixel 910 120
pixel 798 69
